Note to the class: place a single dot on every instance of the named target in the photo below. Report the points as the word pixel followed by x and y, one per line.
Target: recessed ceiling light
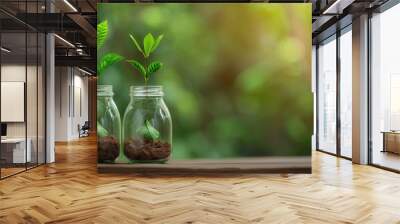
pixel 337 7
pixel 84 71
pixel 65 41
pixel 70 5
pixel 5 50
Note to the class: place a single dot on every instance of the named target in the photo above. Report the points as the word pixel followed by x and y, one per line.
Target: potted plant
pixel 147 125
pixel 108 117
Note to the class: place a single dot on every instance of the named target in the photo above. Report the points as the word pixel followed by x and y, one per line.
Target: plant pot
pixel 108 127
pixel 147 126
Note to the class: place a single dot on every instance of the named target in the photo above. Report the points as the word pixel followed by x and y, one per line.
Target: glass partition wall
pixel 22 78
pixel 334 84
pixel 13 86
pixel 327 95
pixel 385 89
pixel 345 62
pixel 335 114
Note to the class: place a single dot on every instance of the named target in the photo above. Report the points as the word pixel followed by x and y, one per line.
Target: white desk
pixel 18 150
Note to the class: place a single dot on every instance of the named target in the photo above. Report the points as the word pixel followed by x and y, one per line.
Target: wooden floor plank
pixel 72 191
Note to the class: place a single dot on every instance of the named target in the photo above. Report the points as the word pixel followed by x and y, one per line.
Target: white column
pixel 50 92
pixel 360 90
pixel 50 100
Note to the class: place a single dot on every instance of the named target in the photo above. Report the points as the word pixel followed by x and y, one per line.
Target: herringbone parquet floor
pixel 71 191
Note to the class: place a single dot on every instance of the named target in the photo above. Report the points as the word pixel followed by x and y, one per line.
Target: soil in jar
pixel 107 149
pixel 143 149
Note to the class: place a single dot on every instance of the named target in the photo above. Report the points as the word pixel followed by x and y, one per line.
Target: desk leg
pixel 384 142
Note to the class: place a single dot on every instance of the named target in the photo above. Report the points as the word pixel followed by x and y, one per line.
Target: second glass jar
pixel 147 126
pixel 108 126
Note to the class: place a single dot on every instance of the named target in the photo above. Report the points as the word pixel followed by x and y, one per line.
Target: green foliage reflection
pixel 236 76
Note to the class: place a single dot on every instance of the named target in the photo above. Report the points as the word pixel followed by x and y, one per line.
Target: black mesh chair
pixel 84 130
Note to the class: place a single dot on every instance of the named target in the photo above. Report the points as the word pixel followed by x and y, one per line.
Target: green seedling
pixel 105 62
pixel 148 131
pixel 109 58
pixel 150 44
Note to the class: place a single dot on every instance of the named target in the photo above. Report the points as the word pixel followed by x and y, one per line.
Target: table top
pixel 390 132
pixel 205 166
pixel 13 140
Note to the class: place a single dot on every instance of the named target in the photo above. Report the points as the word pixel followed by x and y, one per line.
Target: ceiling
pixel 331 15
pixel 75 22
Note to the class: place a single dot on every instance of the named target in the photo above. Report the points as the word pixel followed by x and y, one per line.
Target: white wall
pixel 33 127
pixel 70 83
pixel 16 73
pixel 62 81
pixel 80 94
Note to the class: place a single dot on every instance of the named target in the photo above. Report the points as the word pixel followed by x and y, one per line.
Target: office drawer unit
pixel 13 150
pixel 391 142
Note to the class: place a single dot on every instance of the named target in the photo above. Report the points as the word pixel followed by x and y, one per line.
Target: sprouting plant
pixel 105 62
pixel 148 131
pixel 109 58
pixel 150 44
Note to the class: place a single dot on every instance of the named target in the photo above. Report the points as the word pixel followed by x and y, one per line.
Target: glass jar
pixel 147 126
pixel 108 126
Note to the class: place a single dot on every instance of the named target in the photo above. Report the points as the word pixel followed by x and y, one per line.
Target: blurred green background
pixel 236 76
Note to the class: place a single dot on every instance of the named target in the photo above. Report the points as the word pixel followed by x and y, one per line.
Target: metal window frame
pixel 341 29
pixel 381 9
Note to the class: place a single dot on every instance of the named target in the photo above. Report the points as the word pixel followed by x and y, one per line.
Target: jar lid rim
pixel 153 90
pixel 105 90
pixel 146 86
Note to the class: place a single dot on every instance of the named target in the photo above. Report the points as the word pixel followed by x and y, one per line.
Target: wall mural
pixel 203 81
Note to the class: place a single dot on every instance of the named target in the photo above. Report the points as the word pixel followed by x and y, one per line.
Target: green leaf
pixel 158 40
pixel 136 43
pixel 138 67
pixel 101 132
pixel 148 131
pixel 152 131
pixel 102 30
pixel 108 60
pixel 148 43
pixel 153 67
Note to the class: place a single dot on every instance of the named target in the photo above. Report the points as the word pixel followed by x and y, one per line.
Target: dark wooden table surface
pixel 203 166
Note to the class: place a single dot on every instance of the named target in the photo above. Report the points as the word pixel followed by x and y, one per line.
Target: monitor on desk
pixel 3 130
